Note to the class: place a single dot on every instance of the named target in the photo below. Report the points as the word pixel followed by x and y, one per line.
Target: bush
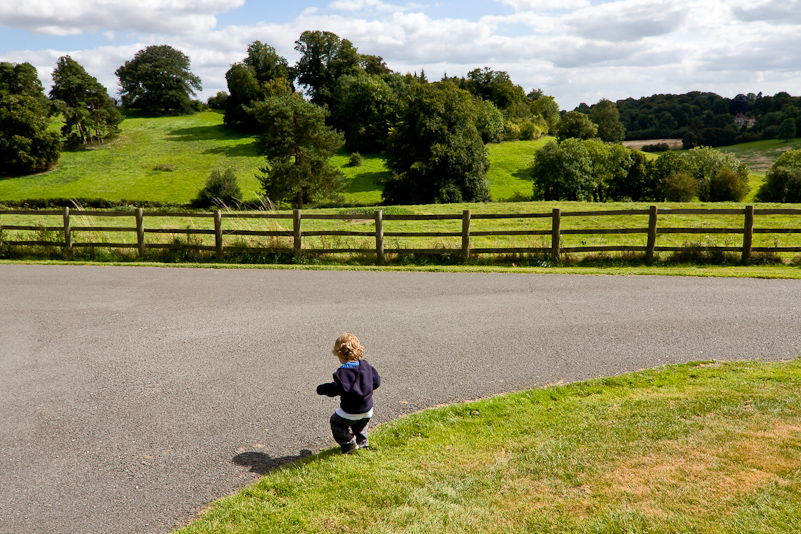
pixel 511 131
pixel 221 189
pixel 680 187
pixel 530 131
pixel 658 147
pixel 355 160
pixel 727 185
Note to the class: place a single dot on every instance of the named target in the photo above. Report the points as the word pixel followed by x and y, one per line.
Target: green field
pixel 167 160
pixel 707 448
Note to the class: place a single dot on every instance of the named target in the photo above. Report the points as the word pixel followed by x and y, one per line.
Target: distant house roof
pixel 744 120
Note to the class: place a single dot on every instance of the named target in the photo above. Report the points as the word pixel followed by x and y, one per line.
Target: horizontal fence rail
pixel 376 219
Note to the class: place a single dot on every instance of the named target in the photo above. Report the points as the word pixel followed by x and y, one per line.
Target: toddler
pixel 354 383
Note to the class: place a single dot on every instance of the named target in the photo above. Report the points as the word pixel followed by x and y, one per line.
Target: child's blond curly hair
pixel 348 346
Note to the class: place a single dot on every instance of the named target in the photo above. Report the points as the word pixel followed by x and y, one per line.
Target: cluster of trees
pixel 591 170
pixel 708 119
pixel 27 145
pixel 432 134
pixel 157 80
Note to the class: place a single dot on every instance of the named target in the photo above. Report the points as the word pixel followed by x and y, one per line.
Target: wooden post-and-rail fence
pixel 556 232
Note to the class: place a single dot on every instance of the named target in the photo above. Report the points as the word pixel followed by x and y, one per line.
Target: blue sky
pixel 576 50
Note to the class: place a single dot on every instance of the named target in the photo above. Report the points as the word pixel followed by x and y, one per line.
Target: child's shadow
pixel 261 464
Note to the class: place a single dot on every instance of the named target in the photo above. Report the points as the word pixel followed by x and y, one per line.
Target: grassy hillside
pixel 167 159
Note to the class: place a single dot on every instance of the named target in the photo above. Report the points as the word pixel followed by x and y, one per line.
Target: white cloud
pixel 545 5
pixel 782 12
pixel 627 20
pixel 362 5
pixel 75 17
pixel 612 49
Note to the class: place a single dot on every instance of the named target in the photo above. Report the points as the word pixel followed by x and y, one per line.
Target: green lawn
pixel 711 448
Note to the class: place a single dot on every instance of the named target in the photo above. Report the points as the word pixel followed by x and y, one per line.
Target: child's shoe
pixel 350 448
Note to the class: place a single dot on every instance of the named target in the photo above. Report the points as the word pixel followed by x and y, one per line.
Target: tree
pixel 563 171
pixel 261 74
pixel 576 124
pixel 705 162
pixel 324 58
pixel 26 146
pixel 298 145
pixel 606 115
pixel 546 107
pixel 21 79
pixel 669 164
pixel 434 150
pixel 489 122
pixel 783 179
pixel 787 129
pixel 610 167
pixel 89 113
pixel 497 87
pixel 364 110
pixel 158 80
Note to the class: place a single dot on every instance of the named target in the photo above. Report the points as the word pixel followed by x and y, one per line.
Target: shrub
pixel 355 160
pixel 530 131
pixel 680 187
pixel 657 147
pixel 511 131
pixel 727 185
pixel 221 188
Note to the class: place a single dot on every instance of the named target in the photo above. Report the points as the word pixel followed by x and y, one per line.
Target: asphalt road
pixel 131 397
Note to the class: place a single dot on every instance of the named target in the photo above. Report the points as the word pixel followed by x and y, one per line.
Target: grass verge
pixel 703 447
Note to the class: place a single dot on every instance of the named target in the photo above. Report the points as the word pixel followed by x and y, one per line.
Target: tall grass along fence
pixel 550 228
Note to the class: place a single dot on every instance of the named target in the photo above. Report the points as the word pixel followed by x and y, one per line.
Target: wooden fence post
pixel 556 235
pixel 379 237
pixel 67 232
pixel 465 235
pixel 296 233
pixel 218 238
pixel 748 233
pixel 140 231
pixel 649 252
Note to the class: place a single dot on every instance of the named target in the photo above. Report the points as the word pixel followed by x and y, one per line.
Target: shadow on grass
pixel 205 133
pixel 241 150
pixel 366 182
pixel 261 463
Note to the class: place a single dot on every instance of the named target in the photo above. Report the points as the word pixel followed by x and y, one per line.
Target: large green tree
pixel 26 144
pixel 563 171
pixel 298 145
pixel 607 117
pixel 434 150
pixel 576 124
pixel 158 80
pixel 365 107
pixel 263 73
pixel 89 113
pixel 324 58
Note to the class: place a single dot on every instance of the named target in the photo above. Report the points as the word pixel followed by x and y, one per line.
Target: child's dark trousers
pixel 347 432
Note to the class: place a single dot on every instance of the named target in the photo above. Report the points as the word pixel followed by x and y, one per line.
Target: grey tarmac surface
pixel 131 397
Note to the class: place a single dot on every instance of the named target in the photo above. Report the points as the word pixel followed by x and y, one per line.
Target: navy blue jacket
pixel 355 387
